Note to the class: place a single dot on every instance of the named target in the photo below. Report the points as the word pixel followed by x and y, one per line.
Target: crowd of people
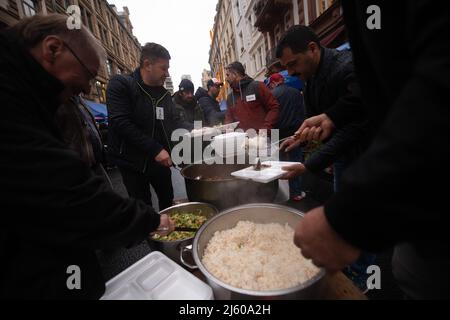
pixel 367 107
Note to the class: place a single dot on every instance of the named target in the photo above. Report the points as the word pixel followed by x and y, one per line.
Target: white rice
pixel 258 257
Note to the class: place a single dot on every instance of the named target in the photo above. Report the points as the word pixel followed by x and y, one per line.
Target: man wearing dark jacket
pixel 250 102
pixel 332 91
pixel 55 211
pixel 186 105
pixel 292 114
pixel 208 102
pixel 379 205
pixel 141 120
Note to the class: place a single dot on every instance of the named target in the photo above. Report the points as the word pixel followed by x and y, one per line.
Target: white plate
pixel 274 172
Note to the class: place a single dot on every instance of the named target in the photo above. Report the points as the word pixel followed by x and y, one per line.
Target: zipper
pixel 121 147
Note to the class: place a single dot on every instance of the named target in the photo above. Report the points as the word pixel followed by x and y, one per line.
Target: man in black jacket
pixel 55 211
pixel 142 118
pixel 210 106
pixel 391 196
pixel 332 92
pixel 292 114
pixel 186 105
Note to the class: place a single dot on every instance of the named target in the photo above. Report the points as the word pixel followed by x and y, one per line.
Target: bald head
pixel 71 56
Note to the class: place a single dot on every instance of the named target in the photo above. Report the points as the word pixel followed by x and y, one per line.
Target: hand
pixel 320 243
pixel 163 158
pixel 293 171
pixel 290 144
pixel 166 226
pixel 317 128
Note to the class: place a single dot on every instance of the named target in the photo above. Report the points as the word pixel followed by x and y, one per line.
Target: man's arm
pixel 390 194
pixel 271 106
pixel 348 108
pixel 51 197
pixel 350 137
pixel 120 108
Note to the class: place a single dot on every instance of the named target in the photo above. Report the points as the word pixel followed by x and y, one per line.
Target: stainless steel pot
pixel 258 213
pixel 172 249
pixel 214 184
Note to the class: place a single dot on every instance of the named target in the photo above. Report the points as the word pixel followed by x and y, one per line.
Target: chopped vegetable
pixel 183 220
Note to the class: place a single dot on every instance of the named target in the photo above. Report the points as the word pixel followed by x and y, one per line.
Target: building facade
pixel 206 76
pixel 223 39
pixel 260 24
pixel 111 27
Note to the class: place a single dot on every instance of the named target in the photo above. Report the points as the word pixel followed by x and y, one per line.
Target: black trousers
pixel 421 275
pixel 138 185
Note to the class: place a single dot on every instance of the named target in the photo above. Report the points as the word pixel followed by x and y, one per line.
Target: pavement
pixel 318 189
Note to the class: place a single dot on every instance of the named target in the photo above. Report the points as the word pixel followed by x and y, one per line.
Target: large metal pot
pixel 172 249
pixel 258 213
pixel 214 184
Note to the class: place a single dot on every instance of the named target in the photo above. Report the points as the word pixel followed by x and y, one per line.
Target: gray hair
pixel 32 31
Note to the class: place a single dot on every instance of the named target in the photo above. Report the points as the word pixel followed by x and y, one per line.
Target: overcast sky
pixel 180 26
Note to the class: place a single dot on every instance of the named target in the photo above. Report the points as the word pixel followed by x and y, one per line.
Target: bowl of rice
pixel 248 253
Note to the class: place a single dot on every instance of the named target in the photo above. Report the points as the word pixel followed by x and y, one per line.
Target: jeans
pixel 295 185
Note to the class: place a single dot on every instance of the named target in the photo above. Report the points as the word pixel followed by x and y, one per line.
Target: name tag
pixel 159 113
pixel 251 98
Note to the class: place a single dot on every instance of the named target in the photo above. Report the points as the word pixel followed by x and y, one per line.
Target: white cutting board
pixel 267 175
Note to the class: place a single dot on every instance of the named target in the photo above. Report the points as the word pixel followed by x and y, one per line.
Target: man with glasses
pixel 56 213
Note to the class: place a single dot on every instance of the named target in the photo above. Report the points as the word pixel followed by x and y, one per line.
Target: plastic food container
pixel 272 171
pixel 156 277
pixel 230 144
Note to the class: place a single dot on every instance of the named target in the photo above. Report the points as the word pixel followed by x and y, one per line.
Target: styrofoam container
pixel 156 277
pixel 274 172
pixel 230 144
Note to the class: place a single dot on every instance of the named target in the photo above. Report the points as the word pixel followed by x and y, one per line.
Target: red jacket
pixel 253 105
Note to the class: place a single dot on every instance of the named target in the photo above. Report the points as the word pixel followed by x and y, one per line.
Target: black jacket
pixel 397 190
pixel 334 90
pixel 211 109
pixel 135 134
pixel 292 109
pixel 188 112
pixel 55 212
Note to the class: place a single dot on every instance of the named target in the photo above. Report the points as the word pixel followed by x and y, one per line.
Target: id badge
pixel 251 98
pixel 159 113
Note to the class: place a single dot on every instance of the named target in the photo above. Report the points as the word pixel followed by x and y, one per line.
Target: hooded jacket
pixel 253 105
pixel 55 212
pixel 211 109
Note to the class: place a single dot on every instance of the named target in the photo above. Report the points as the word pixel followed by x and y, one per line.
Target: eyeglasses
pixel 91 75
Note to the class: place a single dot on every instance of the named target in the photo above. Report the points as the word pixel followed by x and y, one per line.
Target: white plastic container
pixel 156 277
pixel 266 175
pixel 230 144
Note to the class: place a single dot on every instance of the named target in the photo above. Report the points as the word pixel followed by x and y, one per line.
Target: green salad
pixel 183 220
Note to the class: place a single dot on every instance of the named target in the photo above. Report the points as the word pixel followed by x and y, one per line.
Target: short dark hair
pixel 152 52
pixel 236 66
pixel 297 38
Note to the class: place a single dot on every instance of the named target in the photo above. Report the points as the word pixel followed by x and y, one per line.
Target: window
pixel 109 67
pixel 323 5
pixel 86 17
pixel 29 7
pixel 288 20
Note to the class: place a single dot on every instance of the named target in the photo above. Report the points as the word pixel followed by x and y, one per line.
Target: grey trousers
pixel 422 271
